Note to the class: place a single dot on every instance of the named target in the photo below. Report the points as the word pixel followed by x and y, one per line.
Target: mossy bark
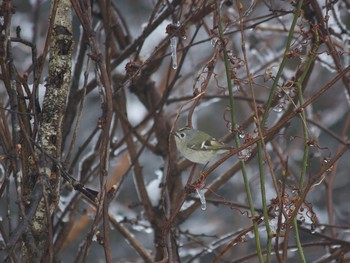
pixel 50 130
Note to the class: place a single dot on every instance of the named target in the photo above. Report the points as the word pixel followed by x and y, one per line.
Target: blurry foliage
pixel 242 71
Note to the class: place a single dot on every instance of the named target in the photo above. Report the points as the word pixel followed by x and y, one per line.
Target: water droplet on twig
pixel 214 41
pixel 245 154
pixel 278 108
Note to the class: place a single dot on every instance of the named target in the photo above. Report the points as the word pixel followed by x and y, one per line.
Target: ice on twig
pixel 214 41
pixel 173 45
pixel 201 196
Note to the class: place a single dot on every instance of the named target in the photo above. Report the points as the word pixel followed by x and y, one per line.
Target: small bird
pixel 198 146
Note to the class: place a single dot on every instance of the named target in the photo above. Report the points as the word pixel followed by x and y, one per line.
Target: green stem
pixel 282 65
pixel 297 240
pixel 311 58
pixel 236 138
pixel 262 124
pixel 309 62
pixel 264 204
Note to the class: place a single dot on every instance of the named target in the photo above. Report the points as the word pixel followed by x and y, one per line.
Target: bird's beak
pixel 174 133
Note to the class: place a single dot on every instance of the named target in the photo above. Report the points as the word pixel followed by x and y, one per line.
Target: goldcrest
pixel 198 146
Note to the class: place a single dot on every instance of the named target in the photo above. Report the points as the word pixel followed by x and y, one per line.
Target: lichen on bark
pixel 50 129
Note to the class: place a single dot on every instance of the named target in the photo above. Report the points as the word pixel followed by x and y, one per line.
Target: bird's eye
pixel 182 135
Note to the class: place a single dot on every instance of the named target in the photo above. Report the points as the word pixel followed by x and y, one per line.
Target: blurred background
pixel 168 64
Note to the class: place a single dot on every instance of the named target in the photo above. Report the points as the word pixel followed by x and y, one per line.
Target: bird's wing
pixel 207 145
